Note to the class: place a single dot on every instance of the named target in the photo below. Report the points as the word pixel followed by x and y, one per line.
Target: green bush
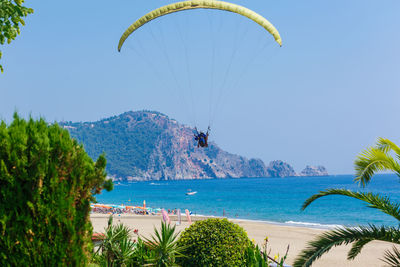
pixel 46 184
pixel 214 242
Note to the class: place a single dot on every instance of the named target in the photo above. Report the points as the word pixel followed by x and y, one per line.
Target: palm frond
pixel 392 258
pixel 164 245
pixel 142 255
pixel 124 253
pixel 371 161
pixel 386 146
pixel 343 236
pixel 374 200
pixel 116 248
pixel 357 247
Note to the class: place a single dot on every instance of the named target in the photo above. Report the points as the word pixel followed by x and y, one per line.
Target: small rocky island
pixel 314 171
pixel 147 145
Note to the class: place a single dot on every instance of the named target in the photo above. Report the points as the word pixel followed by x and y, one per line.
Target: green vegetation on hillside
pixel 127 147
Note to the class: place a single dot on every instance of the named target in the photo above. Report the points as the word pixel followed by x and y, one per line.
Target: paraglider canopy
pixel 205 4
pixel 201 88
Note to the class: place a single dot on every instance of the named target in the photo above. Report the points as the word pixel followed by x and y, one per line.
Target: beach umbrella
pixel 103 206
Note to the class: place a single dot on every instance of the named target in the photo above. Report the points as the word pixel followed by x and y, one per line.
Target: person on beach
pixel 201 138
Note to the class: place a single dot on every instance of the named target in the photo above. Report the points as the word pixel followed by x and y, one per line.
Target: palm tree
pixel 384 156
pixel 164 246
pixel 116 247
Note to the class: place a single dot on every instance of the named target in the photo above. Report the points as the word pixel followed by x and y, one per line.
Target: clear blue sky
pixel 328 93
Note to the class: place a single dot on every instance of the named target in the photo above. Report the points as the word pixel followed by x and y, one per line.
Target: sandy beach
pixel 279 237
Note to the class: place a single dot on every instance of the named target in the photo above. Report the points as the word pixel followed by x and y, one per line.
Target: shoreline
pixel 311 225
pixel 279 236
pixel 253 203
pixel 199 217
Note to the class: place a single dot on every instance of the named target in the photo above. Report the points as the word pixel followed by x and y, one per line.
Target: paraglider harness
pixel 201 138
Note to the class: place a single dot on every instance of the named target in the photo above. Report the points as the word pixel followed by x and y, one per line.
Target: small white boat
pixel 191 193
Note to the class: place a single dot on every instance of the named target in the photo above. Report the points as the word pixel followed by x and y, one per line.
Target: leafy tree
pixel 47 182
pixel 11 17
pixel 370 161
pixel 214 242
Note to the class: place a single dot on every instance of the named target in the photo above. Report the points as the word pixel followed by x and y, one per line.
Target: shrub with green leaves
pixel 47 182
pixel 214 242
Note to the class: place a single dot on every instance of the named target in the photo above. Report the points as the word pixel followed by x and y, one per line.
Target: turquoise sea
pixel 267 199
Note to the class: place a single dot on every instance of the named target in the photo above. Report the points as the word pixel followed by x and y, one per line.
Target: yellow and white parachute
pixel 204 4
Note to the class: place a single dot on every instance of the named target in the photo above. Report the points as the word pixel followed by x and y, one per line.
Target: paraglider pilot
pixel 201 138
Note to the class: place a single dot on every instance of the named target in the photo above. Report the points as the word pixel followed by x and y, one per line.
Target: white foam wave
pixel 314 225
pixel 290 223
pixel 157 184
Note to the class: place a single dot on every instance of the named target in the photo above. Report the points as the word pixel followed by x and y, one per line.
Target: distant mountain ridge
pixel 147 145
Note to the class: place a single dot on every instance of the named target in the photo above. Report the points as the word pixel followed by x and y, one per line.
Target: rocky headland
pixel 147 145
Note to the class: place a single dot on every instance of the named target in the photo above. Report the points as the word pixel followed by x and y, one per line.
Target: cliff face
pixel 175 156
pixel 314 171
pixel 278 168
pixel 147 145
